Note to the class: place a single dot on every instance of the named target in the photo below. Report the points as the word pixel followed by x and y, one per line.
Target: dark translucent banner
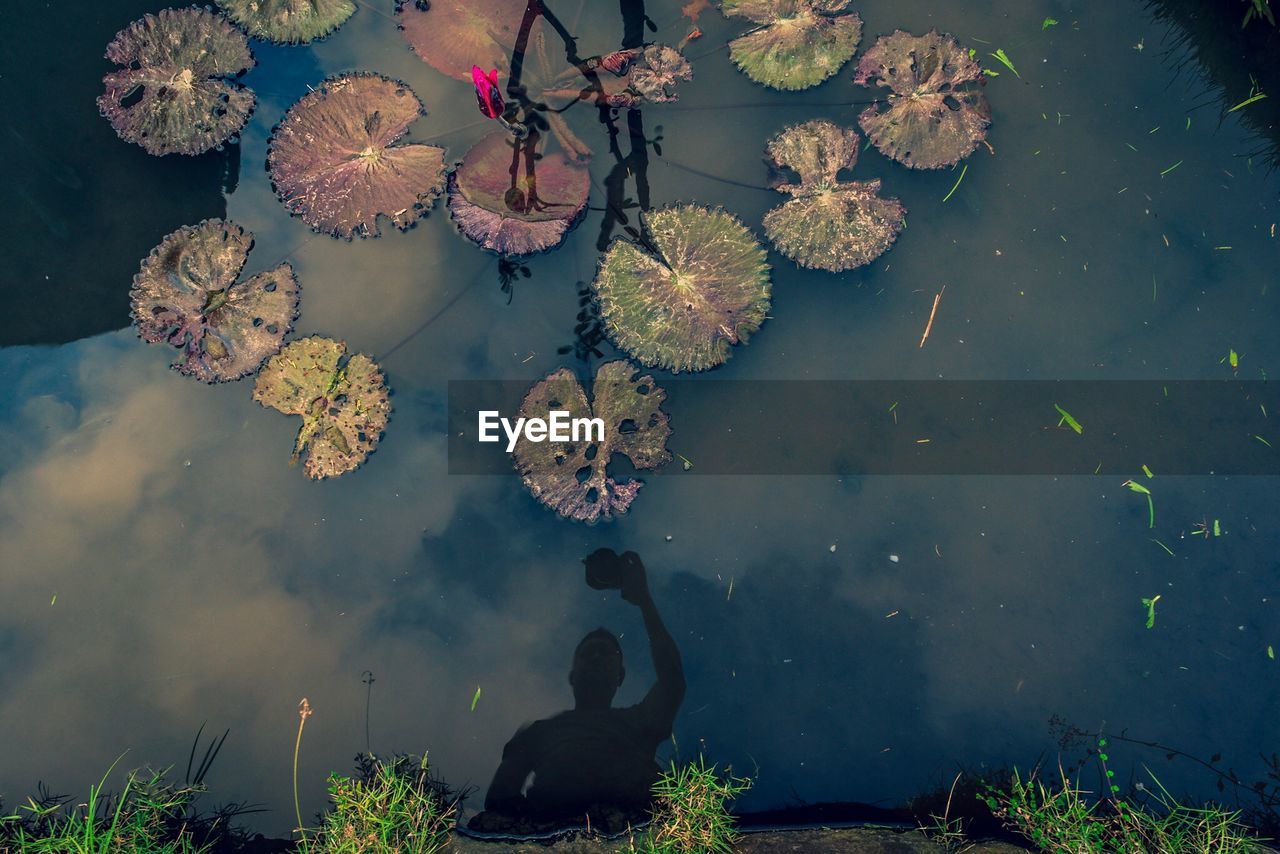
pixel 879 427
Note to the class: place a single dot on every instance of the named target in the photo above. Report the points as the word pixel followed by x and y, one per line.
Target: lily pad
pixel 572 478
pixel 289 21
pixel 334 162
pixel 453 35
pixel 343 401
pixel 700 287
pixel 187 295
pixel 828 224
pixel 629 78
pixel 174 93
pixel 935 114
pixel 521 213
pixel 798 43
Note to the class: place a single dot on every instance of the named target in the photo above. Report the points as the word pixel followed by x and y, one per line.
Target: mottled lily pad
pixel 174 93
pixel 521 213
pixel 289 21
pixel 935 114
pixel 798 43
pixel 629 78
pixel 571 478
pixel 334 163
pixel 187 295
pixel 343 401
pixel 453 35
pixel 701 287
pixel 828 224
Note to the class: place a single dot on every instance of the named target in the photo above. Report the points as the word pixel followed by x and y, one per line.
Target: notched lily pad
pixel 635 76
pixel 935 114
pixel 453 35
pixel 174 93
pixel 828 224
pixel 699 287
pixel 289 21
pixel 343 401
pixel 572 478
pixel 187 295
pixel 514 201
pixel 797 43
pixel 334 162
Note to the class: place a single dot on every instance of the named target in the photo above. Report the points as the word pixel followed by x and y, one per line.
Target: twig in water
pixel 932 314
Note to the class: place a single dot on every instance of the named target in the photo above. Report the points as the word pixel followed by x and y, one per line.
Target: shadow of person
pixel 592 764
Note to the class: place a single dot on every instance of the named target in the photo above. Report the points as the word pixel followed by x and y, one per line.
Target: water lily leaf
pixel 798 43
pixel 343 402
pixel 571 478
pixel 334 163
pixel 627 78
pixel 174 94
pixel 510 200
pixel 701 287
pixel 187 295
pixel 289 21
pixel 828 224
pixel 453 35
pixel 935 114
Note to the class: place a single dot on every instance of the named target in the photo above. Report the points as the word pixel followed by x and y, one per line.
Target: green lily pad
pixel 335 163
pixel 828 224
pixel 935 114
pixel 343 401
pixel 571 477
pixel 187 295
pixel 174 93
pixel 682 303
pixel 797 43
pixel 289 21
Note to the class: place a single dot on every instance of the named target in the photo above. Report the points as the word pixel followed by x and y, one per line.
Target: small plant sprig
pixel 690 813
pixel 304 712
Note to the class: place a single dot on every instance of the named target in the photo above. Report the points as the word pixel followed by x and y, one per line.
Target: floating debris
pixel 187 295
pixel 640 75
pixel 333 160
pixel 572 478
pixel 935 114
pixel 289 21
pixel 828 224
pixel 797 43
pixel 510 199
pixel 174 93
pixel 453 35
pixel 343 401
pixel 698 287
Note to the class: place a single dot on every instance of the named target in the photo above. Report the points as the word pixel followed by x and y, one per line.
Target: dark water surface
pixel 843 638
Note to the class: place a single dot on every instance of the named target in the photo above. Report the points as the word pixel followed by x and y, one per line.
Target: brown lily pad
pixel 681 302
pixel 796 43
pixel 626 78
pixel 828 224
pixel 343 401
pixel 511 200
pixel 453 35
pixel 935 114
pixel 334 162
pixel 174 93
pixel 187 294
pixel 572 478
pixel 289 21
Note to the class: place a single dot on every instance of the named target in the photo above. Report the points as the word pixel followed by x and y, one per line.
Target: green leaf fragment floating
pixel 1150 605
pixel 1048 22
pixel 1006 61
pixel 1151 507
pixel 476 697
pixel 963 170
pixel 1163 546
pixel 1170 169
pixel 1068 420
pixel 1147 472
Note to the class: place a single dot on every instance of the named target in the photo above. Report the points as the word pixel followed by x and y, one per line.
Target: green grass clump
pixel 148 815
pixel 1063 817
pixel 690 812
pixel 389 805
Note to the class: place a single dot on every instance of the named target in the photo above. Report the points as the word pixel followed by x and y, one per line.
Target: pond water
pixel 844 638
